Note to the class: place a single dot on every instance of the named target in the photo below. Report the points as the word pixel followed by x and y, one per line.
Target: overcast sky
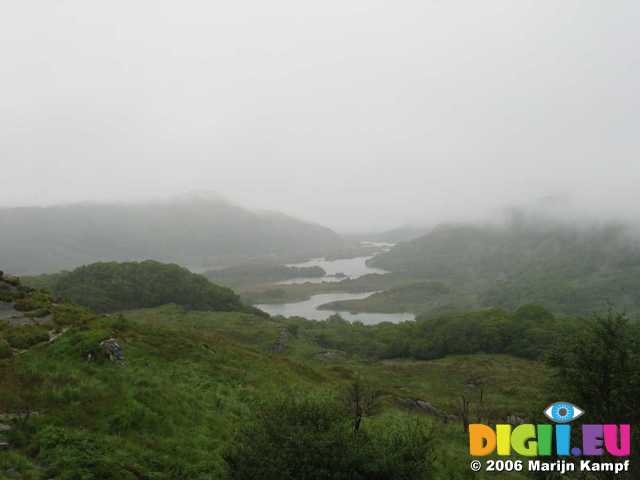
pixel 356 114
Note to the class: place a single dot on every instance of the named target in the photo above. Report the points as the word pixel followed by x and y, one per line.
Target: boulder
pixel 112 350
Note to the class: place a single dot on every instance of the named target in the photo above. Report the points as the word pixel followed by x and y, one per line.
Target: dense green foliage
pixel 529 332
pixel 194 231
pixel 312 438
pixel 567 269
pixel 108 287
pixel 599 367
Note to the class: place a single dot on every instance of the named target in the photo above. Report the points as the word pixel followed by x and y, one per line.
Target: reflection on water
pixel 309 309
pixel 344 267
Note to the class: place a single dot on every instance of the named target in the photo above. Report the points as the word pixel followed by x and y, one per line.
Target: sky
pixel 357 114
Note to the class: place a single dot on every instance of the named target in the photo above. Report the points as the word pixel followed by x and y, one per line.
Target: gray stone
pixel 112 350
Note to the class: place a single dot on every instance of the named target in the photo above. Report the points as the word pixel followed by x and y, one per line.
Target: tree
pixel 362 401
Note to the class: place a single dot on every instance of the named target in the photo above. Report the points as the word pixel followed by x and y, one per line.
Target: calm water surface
pixel 351 267
pixel 309 309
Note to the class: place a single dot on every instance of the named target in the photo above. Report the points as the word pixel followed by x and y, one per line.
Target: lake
pixel 351 267
pixel 309 309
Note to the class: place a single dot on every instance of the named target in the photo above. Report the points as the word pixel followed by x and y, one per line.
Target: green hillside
pixel 567 269
pixel 112 286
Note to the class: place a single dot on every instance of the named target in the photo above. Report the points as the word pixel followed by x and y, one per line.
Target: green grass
pixel 192 378
pixel 169 412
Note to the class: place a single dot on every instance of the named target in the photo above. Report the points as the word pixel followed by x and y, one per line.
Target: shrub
pixel 312 437
pixel 27 336
pixel 5 349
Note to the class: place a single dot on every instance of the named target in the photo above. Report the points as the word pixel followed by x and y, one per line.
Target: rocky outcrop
pixel 4 428
pixel 112 350
pixel 17 307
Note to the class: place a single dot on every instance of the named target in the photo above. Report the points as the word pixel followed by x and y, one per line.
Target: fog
pixel 360 114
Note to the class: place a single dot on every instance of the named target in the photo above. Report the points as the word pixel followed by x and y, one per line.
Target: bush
pixel 26 337
pixel 312 437
pixel 68 314
pixel 25 304
pixel 6 295
pixel 5 349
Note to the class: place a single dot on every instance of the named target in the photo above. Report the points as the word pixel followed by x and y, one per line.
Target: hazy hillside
pixel 194 231
pixel 399 234
pixel 566 268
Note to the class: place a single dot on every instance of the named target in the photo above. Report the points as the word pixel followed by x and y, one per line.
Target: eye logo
pixel 563 412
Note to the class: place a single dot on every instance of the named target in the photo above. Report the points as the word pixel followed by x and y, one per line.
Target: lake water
pixel 309 309
pixel 351 267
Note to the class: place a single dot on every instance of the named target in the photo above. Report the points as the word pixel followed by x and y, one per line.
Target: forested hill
pixel 190 231
pixel 112 286
pixel 566 268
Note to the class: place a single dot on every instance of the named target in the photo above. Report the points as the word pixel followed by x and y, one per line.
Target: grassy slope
pixel 192 377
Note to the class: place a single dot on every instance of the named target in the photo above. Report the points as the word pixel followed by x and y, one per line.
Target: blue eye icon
pixel 563 412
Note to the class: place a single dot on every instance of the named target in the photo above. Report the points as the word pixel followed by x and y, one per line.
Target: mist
pixel 360 115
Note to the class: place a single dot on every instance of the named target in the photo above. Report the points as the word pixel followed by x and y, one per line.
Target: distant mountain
pixel 197 231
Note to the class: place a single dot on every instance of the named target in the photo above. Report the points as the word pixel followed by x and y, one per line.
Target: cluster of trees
pixel 113 286
pixel 528 332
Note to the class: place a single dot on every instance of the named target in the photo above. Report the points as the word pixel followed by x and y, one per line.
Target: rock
pixel 427 408
pixel 281 343
pixel 112 350
pixel 331 354
pixel 515 420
